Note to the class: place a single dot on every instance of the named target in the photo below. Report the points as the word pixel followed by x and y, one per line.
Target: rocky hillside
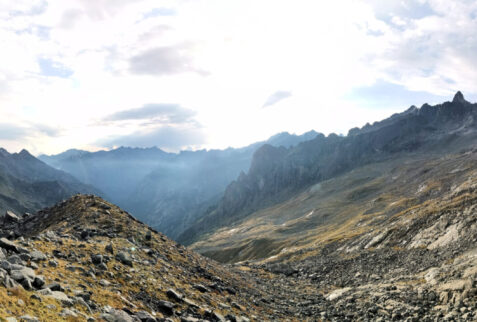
pixel 85 259
pixel 27 184
pixel 167 191
pixel 278 174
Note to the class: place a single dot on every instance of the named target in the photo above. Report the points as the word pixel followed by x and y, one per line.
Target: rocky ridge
pixel 85 259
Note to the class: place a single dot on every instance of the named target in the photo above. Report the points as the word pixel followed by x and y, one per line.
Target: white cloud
pixel 223 58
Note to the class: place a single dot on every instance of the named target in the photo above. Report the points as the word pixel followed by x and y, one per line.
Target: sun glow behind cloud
pixel 69 65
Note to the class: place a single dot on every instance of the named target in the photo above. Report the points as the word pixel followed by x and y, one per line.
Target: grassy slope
pixel 340 208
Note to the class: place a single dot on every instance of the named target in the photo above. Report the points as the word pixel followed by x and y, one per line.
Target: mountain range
pixel 166 190
pixel 277 174
pixel 377 225
pixel 27 184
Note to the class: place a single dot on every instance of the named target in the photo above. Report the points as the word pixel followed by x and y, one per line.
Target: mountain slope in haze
pixel 27 184
pixel 166 190
pixel 277 174
pixel 115 172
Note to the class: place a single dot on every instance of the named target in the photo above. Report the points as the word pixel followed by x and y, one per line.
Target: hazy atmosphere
pixel 212 74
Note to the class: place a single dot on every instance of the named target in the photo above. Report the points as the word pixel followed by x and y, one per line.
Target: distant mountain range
pixel 168 191
pixel 27 184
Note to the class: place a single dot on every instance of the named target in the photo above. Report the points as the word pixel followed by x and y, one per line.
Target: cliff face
pixel 277 173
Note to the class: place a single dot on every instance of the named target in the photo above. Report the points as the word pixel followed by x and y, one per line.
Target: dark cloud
pixel 164 61
pixel 165 137
pixel 276 97
pixel 160 113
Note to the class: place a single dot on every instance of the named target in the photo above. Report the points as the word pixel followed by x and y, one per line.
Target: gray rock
pixel 8 245
pixel 61 297
pixel 109 248
pixel 15 259
pixel 37 256
pixel 116 316
pixel 124 258
pixel 97 259
pixel 201 288
pixel 174 295
pixel 26 283
pixel 55 287
pixel 22 274
pixel 38 281
pixel 8 282
pixel 144 316
pixel 67 313
pixel 10 217
pixel 29 318
pixel 166 307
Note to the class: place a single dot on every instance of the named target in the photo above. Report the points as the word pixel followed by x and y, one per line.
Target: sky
pixel 193 74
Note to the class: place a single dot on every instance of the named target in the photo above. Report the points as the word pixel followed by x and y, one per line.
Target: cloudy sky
pixel 188 74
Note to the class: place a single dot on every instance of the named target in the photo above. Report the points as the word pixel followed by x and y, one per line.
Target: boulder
pixel 124 258
pixel 10 217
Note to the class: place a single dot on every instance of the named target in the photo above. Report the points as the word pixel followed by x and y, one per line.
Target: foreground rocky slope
pixel 86 259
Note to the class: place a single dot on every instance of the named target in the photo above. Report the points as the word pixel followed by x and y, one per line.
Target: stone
pixel 38 282
pixel 28 318
pixel 22 274
pixel 8 245
pixel 15 259
pixel 165 307
pixel 10 217
pixel 116 316
pixel 8 282
pixel 61 297
pixel 97 259
pixel 55 287
pixel 337 293
pixel 67 313
pixel 53 263
pixel 201 288
pixel 124 258
pixel 144 316
pixel 174 295
pixel 37 256
pixel 35 297
pixel 109 248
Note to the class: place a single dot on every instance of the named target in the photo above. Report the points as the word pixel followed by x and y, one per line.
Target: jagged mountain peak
pixel 459 98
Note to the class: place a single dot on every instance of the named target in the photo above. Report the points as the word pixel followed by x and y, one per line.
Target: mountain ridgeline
pixel 27 184
pixel 168 191
pixel 278 173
